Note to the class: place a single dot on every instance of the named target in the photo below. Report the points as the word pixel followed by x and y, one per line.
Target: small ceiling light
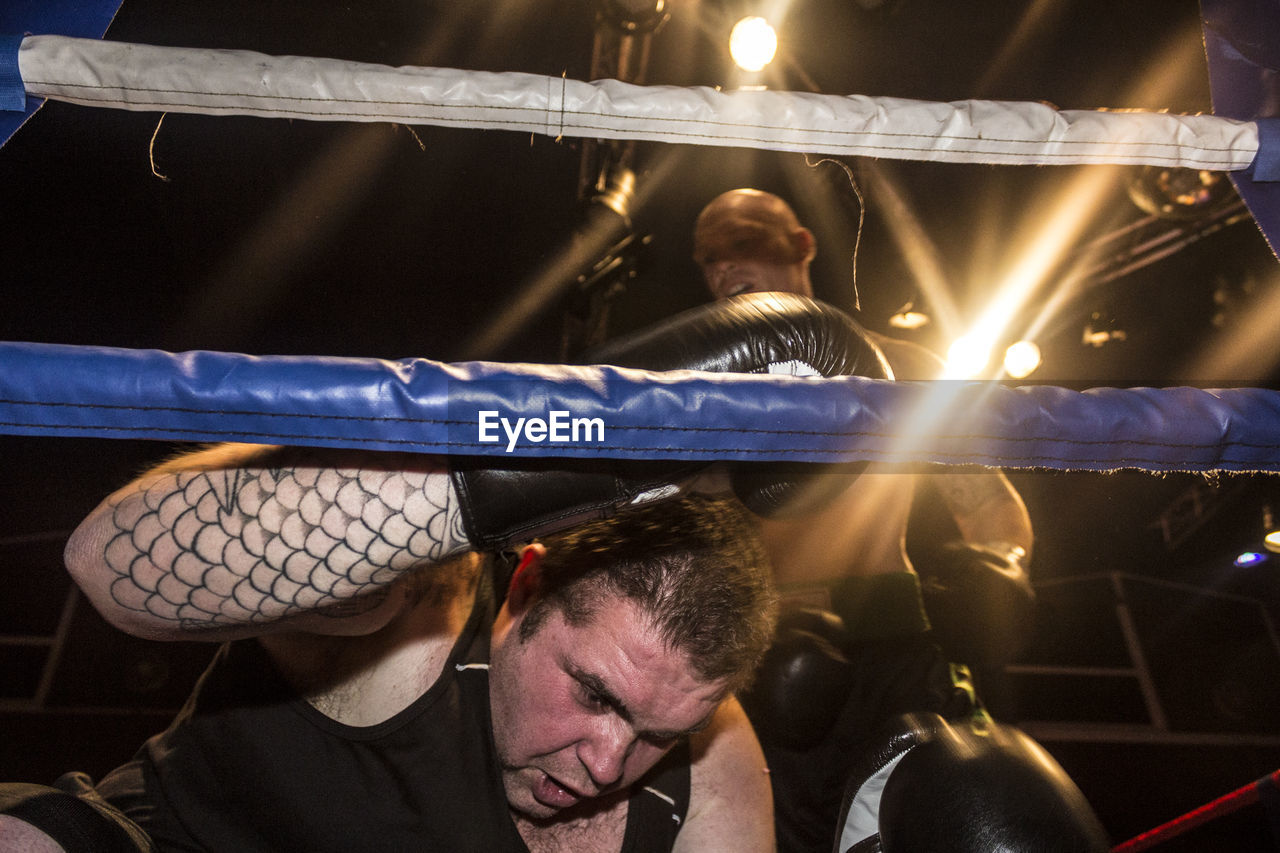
pixel 1183 194
pixel 1270 534
pixel 753 43
pixel 968 357
pixel 1250 558
pixel 1100 337
pixel 909 319
pixel 1021 359
pixel 632 16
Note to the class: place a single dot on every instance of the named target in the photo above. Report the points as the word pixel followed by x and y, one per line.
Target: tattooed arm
pixel 239 540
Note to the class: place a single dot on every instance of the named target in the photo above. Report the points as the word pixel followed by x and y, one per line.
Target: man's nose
pixel 716 273
pixel 605 752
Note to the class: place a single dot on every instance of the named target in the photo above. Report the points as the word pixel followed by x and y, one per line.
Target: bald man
pixel 850 559
pixel 749 241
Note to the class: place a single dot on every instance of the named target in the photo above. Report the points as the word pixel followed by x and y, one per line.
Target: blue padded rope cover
pixel 426 406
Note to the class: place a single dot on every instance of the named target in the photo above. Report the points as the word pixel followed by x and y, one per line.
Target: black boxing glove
pixel 979 600
pixel 972 786
pixel 760 333
pixel 802 682
pixel 752 333
pixel 526 498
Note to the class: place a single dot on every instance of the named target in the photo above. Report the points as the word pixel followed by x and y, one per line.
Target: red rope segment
pixel 1224 805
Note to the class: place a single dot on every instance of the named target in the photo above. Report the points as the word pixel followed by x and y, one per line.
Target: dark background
pixel 275 236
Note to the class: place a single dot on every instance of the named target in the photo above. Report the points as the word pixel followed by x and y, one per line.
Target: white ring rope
pixel 234 82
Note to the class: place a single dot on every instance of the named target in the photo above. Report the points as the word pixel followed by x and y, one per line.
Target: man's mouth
pixel 550 792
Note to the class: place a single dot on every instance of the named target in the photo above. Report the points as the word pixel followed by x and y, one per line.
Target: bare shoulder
pixel 363 678
pixel 731 803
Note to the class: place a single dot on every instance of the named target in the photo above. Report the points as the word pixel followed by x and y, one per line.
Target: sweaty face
pixel 582 711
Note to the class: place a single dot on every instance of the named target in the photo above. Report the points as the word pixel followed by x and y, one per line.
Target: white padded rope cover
pixel 233 82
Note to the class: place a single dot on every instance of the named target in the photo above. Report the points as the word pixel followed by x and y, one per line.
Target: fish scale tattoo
pixel 248 546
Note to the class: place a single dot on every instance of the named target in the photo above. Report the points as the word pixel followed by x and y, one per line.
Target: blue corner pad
pixel 1266 163
pixel 13 94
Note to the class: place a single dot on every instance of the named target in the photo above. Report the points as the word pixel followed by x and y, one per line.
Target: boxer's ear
pixel 526 578
pixel 804 244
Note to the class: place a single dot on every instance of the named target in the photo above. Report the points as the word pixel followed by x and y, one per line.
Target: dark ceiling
pixel 270 235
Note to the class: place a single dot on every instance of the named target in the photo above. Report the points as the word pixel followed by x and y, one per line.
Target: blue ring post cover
pixel 13 94
pixel 1266 164
pixel 1242 47
pixel 20 18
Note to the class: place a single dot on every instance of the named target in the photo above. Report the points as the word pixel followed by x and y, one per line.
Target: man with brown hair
pixel 379 693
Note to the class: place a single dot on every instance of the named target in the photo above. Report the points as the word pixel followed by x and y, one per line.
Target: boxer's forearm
pixel 987 510
pixel 243 537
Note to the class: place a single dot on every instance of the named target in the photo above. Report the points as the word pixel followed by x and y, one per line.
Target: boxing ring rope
pixel 1265 790
pixel 426 406
pixel 232 82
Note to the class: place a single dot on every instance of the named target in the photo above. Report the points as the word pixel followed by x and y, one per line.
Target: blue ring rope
pixel 420 405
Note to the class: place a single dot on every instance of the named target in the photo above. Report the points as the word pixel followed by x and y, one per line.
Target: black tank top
pixel 249 766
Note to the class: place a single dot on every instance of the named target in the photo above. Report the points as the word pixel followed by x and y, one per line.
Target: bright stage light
pixel 1270 533
pixel 1272 542
pixel 753 43
pixel 968 357
pixel 1021 359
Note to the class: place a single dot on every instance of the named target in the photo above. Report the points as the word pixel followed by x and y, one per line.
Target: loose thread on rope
pixel 151 150
pixel 564 95
pixel 416 138
pixel 862 215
